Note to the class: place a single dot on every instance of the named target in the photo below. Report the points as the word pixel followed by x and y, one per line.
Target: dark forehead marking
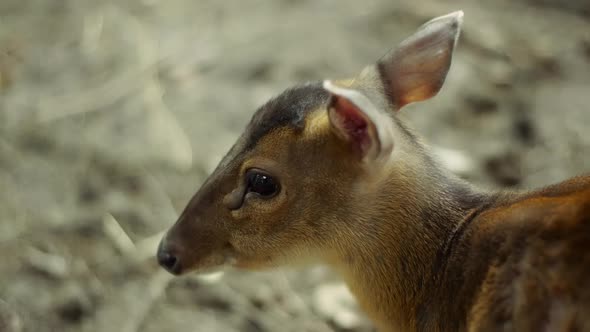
pixel 287 109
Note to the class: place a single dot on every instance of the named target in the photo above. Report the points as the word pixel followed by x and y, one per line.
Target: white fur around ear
pixel 355 119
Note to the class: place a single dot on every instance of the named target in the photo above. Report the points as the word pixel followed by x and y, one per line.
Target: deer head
pixel 315 164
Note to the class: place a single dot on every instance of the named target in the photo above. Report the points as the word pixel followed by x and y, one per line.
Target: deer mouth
pixel 179 260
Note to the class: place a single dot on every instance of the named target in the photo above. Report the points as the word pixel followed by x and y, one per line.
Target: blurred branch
pixel 92 31
pixel 137 314
pixel 51 265
pixel 146 248
pixel 139 78
pixel 118 236
pixel 120 85
pixel 110 91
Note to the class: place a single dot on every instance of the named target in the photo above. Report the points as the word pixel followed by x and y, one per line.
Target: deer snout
pixel 168 258
pixel 192 245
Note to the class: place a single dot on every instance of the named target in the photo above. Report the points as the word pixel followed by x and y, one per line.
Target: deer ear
pixel 417 68
pixel 354 119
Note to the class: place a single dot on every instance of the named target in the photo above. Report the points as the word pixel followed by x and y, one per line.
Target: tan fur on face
pixel 276 229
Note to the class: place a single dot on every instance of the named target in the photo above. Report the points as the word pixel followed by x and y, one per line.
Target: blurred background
pixel 112 113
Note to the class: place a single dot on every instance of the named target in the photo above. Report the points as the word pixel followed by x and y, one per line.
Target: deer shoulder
pixel 536 249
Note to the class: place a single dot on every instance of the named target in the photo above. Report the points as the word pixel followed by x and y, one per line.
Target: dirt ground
pixel 113 112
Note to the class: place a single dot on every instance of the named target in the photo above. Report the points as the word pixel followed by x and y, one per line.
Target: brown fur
pixel 420 249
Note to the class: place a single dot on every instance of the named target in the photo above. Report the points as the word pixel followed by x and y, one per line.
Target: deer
pixel 327 173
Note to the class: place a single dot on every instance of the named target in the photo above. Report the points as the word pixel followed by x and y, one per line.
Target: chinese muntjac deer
pixel 326 172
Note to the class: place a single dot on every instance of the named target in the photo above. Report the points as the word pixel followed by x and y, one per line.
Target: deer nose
pixel 168 260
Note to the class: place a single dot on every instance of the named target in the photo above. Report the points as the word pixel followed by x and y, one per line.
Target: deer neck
pixel 391 266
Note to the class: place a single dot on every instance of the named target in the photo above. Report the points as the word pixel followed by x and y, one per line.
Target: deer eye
pixel 261 183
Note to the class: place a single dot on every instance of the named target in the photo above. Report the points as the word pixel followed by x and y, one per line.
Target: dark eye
pixel 261 183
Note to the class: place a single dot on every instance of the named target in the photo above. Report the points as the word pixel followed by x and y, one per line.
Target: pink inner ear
pixel 352 124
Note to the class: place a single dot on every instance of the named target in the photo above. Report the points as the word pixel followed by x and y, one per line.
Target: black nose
pixel 168 260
